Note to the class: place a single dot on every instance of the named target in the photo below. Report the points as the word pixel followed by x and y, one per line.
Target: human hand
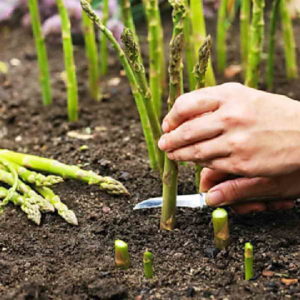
pixel 234 129
pixel 223 189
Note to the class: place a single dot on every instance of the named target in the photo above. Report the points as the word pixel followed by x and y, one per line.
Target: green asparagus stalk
pixel 244 31
pixel 29 193
pixel 67 214
pixel 92 56
pixel 199 73
pixel 221 228
pixel 170 175
pixel 127 17
pixel 256 43
pixel 199 34
pixel 31 210
pixel 42 56
pixel 148 264
pixel 155 53
pixel 289 41
pixel 133 55
pixel 55 167
pixel 249 273
pixel 122 259
pixel 272 42
pixel 222 27
pixel 132 80
pixel 103 41
pixel 72 88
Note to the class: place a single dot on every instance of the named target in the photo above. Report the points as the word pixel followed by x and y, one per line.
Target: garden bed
pixel 58 261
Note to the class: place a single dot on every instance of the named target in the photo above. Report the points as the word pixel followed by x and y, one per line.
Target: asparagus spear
pixel 127 17
pixel 62 209
pixel 256 43
pixel 244 30
pixel 92 56
pixel 55 167
pixel 31 210
pixel 148 264
pixel 103 40
pixel 122 259
pixel 175 69
pixel 249 273
pixel 72 88
pixel 221 228
pixel 41 52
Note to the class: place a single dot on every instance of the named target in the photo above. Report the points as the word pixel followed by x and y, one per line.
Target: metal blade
pixel 192 201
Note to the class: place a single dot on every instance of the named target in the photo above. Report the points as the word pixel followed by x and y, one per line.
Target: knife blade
pixel 191 201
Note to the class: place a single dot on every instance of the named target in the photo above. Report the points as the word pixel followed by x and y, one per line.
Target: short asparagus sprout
pixel 122 259
pixel 249 273
pixel 221 228
pixel 148 264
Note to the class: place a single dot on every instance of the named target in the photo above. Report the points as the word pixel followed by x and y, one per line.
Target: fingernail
pixel 165 126
pixel 162 143
pixel 214 198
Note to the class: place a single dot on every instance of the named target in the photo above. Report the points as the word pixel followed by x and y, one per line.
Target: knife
pixel 192 201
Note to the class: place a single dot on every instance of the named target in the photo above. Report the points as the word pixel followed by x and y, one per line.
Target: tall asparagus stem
pixel 55 167
pixel 127 17
pixel 272 41
pixel 199 73
pixel 72 88
pixel 248 264
pixel 92 56
pixel 175 70
pixel 41 52
pixel 289 41
pixel 133 55
pixel 103 57
pixel 138 97
pixel 244 31
pixel 256 43
pixel 199 34
pixel 221 228
pixel 222 27
pixel 155 53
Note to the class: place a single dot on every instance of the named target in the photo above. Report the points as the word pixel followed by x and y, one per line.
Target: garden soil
pixel 59 261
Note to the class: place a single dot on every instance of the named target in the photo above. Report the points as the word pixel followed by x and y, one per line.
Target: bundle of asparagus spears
pixel 21 185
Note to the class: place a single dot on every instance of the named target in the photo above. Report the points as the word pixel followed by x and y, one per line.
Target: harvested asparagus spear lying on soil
pixel 35 196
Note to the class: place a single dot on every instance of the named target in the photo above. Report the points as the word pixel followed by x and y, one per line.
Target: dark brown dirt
pixel 58 261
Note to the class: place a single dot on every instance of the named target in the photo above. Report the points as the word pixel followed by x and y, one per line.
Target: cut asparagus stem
pixel 67 214
pixel 168 217
pixel 221 228
pixel 138 97
pixel 249 273
pixel 31 210
pixel 41 50
pixel 72 88
pixel 148 264
pixel 103 41
pixel 133 54
pixel 122 259
pixel 244 31
pixel 256 43
pixel 28 192
pixel 108 184
pixel 92 57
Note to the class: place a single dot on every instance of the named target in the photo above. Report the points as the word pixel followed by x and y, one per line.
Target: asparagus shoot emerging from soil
pixel 221 228
pixel 199 72
pixel 244 30
pixel 148 264
pixel 42 56
pixel 122 259
pixel 222 27
pixel 72 88
pixel 249 273
pixel 138 97
pixel 92 56
pixel 272 40
pixel 175 73
pixel 256 43
pixel 103 40
pixel 289 41
pixel 55 167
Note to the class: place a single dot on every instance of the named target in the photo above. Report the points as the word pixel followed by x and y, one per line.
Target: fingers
pixel 190 105
pixel 209 178
pixel 233 191
pixel 192 131
pixel 247 208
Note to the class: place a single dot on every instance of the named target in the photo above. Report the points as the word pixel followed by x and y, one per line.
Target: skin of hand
pixel 234 129
pixel 223 189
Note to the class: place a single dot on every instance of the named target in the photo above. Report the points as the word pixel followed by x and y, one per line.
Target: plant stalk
pixel 122 259
pixel 103 57
pixel 148 264
pixel 221 228
pixel 245 13
pixel 249 272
